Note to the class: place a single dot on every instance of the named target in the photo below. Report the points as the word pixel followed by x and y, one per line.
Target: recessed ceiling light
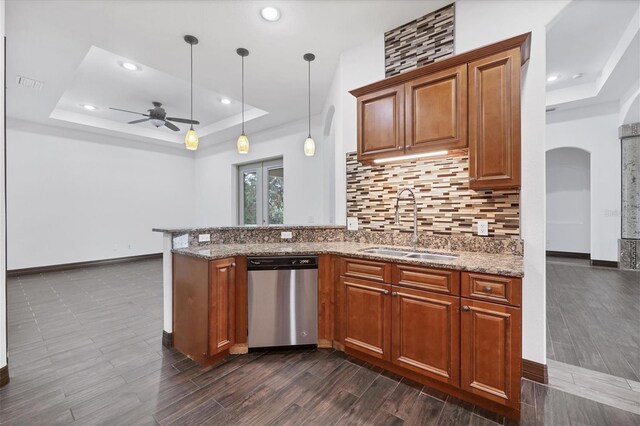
pixel 576 76
pixel 225 101
pixel 129 66
pixel 553 77
pixel 89 107
pixel 270 14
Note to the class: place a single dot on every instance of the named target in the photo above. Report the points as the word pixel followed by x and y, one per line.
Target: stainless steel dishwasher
pixel 282 301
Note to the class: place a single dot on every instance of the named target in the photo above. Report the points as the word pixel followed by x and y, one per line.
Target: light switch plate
pixel 483 228
pixel 203 238
pixel 352 223
pixel 286 234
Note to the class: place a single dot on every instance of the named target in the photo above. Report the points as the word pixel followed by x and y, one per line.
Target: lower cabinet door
pixel 221 305
pixel 426 333
pixel 367 310
pixel 491 351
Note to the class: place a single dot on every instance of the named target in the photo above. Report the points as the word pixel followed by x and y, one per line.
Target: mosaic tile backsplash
pixel 420 42
pixel 446 205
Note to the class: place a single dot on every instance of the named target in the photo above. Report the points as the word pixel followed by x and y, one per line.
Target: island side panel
pixel 191 306
pixel 241 346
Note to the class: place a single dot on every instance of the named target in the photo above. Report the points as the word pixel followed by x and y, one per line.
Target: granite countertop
pixel 499 264
pixel 177 230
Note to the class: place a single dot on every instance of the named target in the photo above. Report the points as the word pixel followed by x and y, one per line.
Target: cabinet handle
pixel 408 147
pixel 386 291
pixel 395 293
pixel 488 288
pixel 465 308
pixel 472 179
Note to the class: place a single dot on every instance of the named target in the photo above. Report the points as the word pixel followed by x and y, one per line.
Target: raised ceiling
pixel 62 43
pixel 599 40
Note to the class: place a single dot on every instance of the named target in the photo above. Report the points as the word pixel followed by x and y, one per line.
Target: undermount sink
pixel 409 254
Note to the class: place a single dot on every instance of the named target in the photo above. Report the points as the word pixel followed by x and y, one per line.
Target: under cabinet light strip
pixel 410 157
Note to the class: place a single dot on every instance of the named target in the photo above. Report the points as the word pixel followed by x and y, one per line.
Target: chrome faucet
pixel 414 239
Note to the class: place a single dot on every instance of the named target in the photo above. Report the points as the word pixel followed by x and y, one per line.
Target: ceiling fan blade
pixel 139 121
pixel 182 120
pixel 171 126
pixel 131 112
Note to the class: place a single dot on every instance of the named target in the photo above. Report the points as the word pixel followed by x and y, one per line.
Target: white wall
pixel 74 196
pixel 599 136
pixel 3 265
pixel 568 200
pixel 305 178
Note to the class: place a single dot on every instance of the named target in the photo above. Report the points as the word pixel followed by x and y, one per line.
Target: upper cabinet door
pixel 436 111
pixel 494 121
pixel 222 280
pixel 380 124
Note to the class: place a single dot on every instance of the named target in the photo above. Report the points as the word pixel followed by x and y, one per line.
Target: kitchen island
pixel 451 321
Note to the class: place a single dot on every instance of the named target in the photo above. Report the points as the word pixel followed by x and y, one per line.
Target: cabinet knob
pixel 233 265
pixel 395 293
pixel 465 308
pixel 488 288
pixel 472 179
pixel 386 291
pixel 399 148
pixel 408 147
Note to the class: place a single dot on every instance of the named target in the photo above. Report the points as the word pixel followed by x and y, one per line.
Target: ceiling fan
pixel 158 117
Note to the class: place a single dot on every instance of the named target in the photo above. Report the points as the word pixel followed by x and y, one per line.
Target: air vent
pixel 551 109
pixel 29 82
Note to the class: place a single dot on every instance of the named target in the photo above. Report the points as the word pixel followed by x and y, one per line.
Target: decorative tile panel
pixel 446 204
pixel 420 42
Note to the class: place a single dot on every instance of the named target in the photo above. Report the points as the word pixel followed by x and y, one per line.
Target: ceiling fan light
pixel 156 122
pixel 191 140
pixel 243 144
pixel 309 147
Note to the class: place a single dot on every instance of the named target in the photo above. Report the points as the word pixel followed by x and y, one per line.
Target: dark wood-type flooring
pixel 593 317
pixel 85 349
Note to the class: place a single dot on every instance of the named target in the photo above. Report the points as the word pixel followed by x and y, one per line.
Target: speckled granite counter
pixel 499 264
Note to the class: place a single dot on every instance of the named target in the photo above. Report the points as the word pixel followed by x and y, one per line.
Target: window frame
pixel 261 169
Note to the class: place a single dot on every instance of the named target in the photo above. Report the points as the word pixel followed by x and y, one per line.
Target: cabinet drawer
pixel 494 288
pixel 366 269
pixel 438 280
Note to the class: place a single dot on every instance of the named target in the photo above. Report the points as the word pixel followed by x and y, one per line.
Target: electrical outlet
pixel 352 223
pixel 203 238
pixel 483 228
pixel 286 235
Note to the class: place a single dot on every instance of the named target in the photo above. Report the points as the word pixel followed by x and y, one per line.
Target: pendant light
pixel 309 143
pixel 191 138
pixel 243 141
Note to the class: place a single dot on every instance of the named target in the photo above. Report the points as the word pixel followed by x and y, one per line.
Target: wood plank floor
pixel 593 317
pixel 85 349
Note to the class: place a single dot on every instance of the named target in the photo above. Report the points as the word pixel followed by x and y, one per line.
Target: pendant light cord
pixel 309 98
pixel 192 85
pixel 242 94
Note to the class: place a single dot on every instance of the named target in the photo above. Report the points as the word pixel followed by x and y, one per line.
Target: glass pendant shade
pixel 309 147
pixel 191 140
pixel 243 144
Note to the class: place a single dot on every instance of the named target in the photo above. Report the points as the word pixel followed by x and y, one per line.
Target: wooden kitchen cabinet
pixel 426 333
pixel 367 314
pixel 436 111
pixel 426 114
pixel 494 121
pixel 468 102
pixel 381 123
pixel 203 306
pixel 491 352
